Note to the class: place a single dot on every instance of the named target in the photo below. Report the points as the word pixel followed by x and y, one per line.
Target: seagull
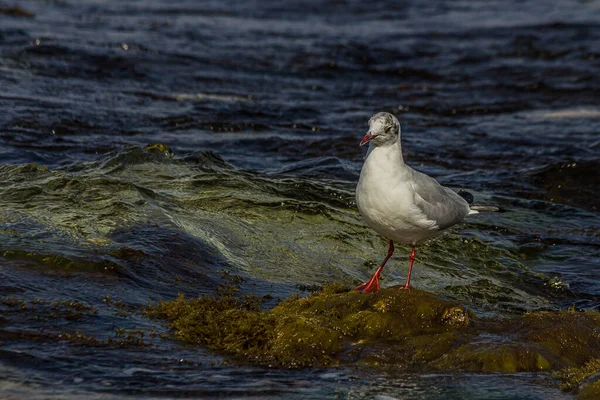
pixel 399 203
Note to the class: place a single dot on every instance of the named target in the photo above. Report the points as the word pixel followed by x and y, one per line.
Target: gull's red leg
pixel 372 285
pixel 412 260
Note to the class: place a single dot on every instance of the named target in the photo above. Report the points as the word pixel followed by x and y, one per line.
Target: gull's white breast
pixel 386 198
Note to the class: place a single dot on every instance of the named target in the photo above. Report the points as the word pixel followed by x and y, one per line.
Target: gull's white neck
pixel 390 155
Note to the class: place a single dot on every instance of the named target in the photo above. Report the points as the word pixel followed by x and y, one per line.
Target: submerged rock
pixel 406 330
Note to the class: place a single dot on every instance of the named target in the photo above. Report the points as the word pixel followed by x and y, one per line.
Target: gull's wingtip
pixel 468 197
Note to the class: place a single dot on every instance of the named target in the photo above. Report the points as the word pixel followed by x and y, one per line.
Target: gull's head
pixel 384 129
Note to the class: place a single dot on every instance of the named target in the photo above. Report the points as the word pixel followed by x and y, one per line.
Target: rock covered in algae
pixel 406 330
pixel 590 392
pixel 159 148
pixel 319 330
pixel 538 341
pixel 584 379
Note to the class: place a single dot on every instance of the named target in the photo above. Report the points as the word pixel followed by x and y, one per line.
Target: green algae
pixel 45 310
pixel 58 320
pixel 571 377
pixel 227 324
pixel 159 148
pixel 576 378
pixel 590 392
pixel 406 330
pixel 321 330
pixel 537 341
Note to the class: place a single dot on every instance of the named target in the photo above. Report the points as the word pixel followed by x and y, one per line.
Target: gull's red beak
pixel 367 137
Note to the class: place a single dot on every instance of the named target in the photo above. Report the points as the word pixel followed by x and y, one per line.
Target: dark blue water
pixel 262 105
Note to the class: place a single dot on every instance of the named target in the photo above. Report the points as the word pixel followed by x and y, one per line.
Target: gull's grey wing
pixel 437 202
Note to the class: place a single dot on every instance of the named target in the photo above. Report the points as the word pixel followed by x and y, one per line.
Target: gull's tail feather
pixel 473 208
